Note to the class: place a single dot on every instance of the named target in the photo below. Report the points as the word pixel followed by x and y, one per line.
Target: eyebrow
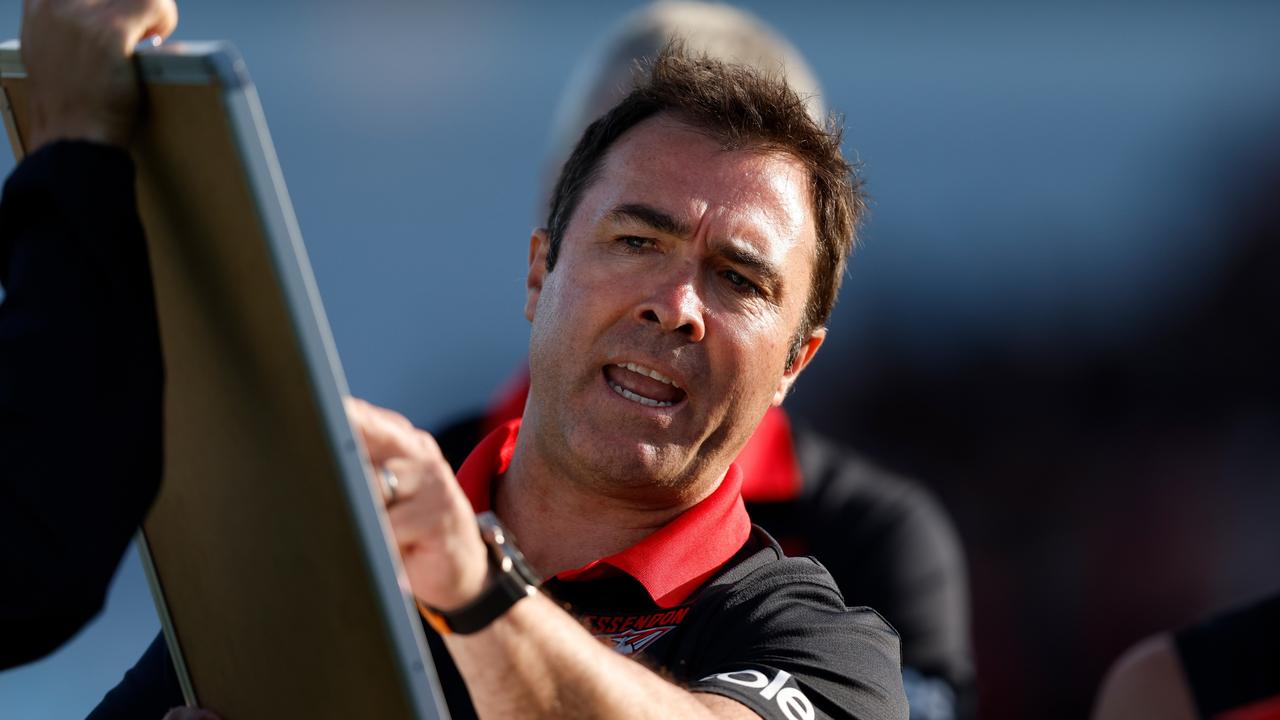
pixel 651 216
pixel 766 274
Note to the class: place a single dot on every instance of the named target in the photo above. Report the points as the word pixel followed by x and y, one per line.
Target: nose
pixel 675 306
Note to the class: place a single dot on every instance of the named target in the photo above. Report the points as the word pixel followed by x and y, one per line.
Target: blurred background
pixel 1063 317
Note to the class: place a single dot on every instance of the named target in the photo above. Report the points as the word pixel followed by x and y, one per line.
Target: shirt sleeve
pixel 1232 661
pixel 789 649
pixel 890 544
pixel 149 689
pixel 80 390
pixel 913 572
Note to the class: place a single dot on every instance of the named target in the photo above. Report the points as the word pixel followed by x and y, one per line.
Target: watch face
pixel 491 529
pixel 521 567
pixel 507 556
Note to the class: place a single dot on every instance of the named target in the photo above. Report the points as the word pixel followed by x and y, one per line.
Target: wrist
pixel 110 122
pixel 42 135
pixel 508 580
pixel 471 583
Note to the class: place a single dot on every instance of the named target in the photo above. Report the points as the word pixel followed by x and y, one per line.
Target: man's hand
pixel 78 56
pixel 430 515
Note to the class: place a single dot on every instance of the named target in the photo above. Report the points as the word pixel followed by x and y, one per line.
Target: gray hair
pixel 607 74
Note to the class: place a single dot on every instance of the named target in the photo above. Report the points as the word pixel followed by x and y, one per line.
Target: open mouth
pixel 643 385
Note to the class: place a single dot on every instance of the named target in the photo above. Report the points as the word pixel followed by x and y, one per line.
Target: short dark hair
pixel 743 108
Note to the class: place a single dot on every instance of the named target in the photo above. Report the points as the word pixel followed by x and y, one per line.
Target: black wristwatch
pixel 510 580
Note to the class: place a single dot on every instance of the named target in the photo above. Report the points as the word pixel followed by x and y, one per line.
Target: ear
pixel 539 243
pixel 807 351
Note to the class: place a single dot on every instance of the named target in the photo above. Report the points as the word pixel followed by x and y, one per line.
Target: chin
pixel 632 464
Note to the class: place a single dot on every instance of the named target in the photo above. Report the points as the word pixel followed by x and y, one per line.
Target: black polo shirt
pixel 708 601
pixel 711 602
pixel 886 541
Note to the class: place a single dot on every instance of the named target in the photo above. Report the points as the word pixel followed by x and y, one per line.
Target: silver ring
pixel 390 486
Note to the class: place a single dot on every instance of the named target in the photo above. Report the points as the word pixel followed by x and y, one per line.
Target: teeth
pixel 650 402
pixel 651 373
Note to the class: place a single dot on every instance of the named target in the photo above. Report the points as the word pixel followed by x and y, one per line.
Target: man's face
pixel 661 336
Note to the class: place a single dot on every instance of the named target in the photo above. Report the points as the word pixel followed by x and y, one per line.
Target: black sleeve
pixel 788 648
pixel 80 390
pixel 890 545
pixel 148 691
pixel 1232 661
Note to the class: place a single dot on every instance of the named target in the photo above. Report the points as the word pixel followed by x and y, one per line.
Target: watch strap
pixel 511 580
pixel 493 603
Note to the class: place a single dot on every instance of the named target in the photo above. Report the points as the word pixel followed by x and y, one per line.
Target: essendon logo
pixel 631 634
pixel 633 642
pixel 610 624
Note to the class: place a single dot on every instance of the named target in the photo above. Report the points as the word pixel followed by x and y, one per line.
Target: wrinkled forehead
pixel 688 171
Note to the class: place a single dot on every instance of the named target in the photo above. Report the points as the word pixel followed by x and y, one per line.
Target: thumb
pixel 145 18
pixel 164 21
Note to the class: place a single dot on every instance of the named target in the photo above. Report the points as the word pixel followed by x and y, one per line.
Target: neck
pixel 543 507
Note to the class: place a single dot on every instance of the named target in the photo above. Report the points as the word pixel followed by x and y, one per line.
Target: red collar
pixel 770 471
pixel 670 563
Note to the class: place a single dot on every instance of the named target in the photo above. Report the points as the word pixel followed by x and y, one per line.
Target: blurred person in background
pixel 81 382
pixel 886 540
pixel 1124 480
pixel 1225 668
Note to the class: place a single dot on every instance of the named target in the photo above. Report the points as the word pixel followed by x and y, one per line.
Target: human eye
pixel 636 244
pixel 740 283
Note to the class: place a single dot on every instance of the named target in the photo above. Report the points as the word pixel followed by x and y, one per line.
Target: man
pixel 691 259
pixel 887 541
pixel 80 372
pixel 679 289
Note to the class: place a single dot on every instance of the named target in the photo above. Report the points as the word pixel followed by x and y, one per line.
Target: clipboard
pixel 270 558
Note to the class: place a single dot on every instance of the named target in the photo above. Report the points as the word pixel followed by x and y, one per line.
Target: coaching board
pixel 270 557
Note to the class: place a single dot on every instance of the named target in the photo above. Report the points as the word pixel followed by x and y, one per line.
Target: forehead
pixel 749 194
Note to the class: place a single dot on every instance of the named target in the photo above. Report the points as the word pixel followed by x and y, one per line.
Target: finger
pixel 414 528
pixel 385 434
pixel 141 19
pixel 366 408
pixel 410 476
pixel 427 486
pixel 165 21
pixel 431 501
pixel 397 481
pixel 428 448
pixel 384 440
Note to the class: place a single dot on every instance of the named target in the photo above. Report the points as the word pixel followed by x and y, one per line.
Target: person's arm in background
pixel 890 545
pixel 1147 681
pixel 147 691
pixel 81 379
pixel 1226 666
